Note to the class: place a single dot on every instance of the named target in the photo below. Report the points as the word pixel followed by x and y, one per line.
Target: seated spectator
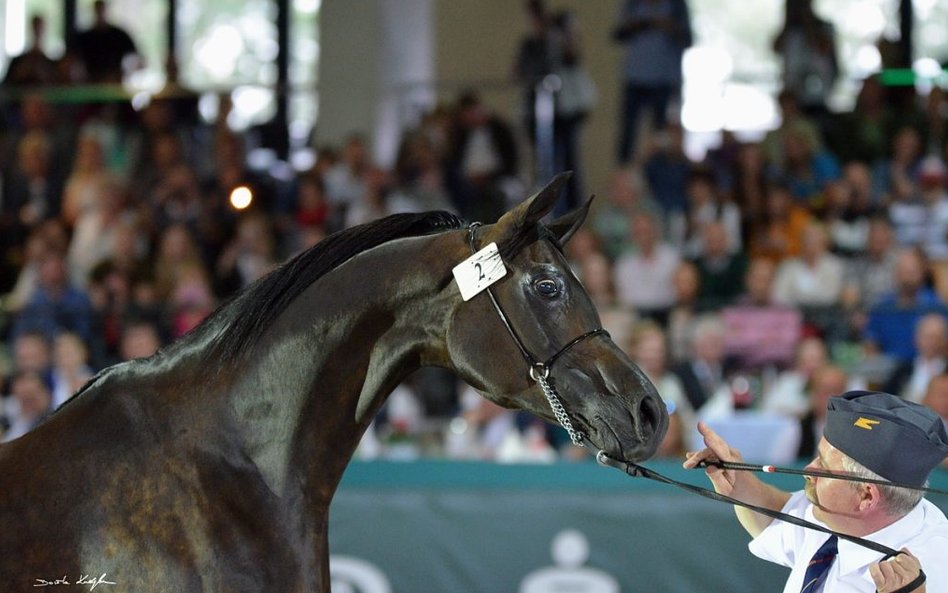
pixel 32 403
pixel 595 272
pixel 419 177
pixel 648 349
pixel 787 395
pixel 97 231
pixel 71 368
pixel 32 189
pixel 346 181
pixel 761 332
pixel 721 272
pixel 86 181
pixel 869 275
pixel 643 276
pixel 56 305
pixel 936 398
pixel 779 234
pixel 48 237
pixel 812 279
pixel 846 222
pixel 191 300
pixel 705 206
pixel 706 372
pixel 897 175
pixel 891 322
pixel 828 381
pixel 610 218
pixel 666 168
pixel 685 310
pixel 249 256
pixel 140 339
pixel 807 167
pixel 32 353
pixel 911 378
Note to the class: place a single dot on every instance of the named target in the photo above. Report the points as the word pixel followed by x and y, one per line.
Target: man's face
pixel 832 499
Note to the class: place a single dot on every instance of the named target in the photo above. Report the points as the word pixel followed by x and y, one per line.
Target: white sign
pixel 479 271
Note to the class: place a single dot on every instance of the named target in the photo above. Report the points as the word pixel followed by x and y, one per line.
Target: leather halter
pixel 537 368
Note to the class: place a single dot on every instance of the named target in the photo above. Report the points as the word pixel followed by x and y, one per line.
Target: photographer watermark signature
pixel 85 579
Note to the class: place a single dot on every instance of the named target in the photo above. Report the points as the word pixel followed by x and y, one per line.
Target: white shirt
pixel 646 282
pixel 924 531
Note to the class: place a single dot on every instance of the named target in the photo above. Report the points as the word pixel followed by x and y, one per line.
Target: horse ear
pixel 564 227
pixel 531 210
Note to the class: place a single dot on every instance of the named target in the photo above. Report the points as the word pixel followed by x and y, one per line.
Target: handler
pixel 873 435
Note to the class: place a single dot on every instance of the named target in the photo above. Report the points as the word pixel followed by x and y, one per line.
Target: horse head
pixel 536 327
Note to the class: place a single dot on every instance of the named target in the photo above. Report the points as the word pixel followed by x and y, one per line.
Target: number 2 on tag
pixel 479 271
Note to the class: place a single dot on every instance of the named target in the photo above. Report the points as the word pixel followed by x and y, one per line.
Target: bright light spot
pixel 749 108
pixel 307 6
pixel 864 20
pixel 706 65
pixel 209 106
pixel 303 159
pixel 926 68
pixel 868 61
pixel 250 105
pixel 15 26
pixel 219 51
pixel 241 197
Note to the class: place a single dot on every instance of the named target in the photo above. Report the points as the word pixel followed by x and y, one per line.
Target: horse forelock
pixel 254 308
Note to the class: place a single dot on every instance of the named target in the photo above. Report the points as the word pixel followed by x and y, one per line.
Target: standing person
pixel 104 47
pixel 906 441
pixel 654 34
pixel 807 45
pixel 33 67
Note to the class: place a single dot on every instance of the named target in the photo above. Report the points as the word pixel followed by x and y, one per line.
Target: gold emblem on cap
pixel 865 423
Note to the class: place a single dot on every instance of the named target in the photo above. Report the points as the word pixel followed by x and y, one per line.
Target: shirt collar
pixel 853 557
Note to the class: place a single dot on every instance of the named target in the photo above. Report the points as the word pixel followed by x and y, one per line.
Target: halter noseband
pixel 540 371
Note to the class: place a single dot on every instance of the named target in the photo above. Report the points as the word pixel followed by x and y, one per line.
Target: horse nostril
pixel 649 416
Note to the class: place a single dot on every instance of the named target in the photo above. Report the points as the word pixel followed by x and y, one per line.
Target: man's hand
pixel 896 572
pixel 737 484
pixel 716 449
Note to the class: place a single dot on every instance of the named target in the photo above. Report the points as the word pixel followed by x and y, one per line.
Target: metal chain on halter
pixel 539 373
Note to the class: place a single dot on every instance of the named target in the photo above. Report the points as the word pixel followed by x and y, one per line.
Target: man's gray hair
pixel 896 501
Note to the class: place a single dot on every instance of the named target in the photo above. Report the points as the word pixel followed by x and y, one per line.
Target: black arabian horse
pixel 210 466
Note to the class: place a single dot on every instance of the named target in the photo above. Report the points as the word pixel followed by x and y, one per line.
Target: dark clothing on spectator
pixel 102 50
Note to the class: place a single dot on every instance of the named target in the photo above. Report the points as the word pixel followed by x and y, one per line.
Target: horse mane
pixel 255 307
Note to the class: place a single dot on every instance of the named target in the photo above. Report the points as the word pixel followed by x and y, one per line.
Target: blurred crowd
pixel 749 285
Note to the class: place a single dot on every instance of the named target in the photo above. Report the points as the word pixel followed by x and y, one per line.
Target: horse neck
pixel 319 375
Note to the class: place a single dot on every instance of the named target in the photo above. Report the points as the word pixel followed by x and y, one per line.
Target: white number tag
pixel 479 271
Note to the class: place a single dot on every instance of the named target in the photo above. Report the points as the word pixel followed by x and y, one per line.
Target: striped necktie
pixel 819 565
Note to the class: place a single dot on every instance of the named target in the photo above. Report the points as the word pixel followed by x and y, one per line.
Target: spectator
pixel 652 259
pixel 936 398
pixel 71 369
pixel 780 232
pixel 33 67
pixel 483 160
pixel 56 305
pixel 869 275
pixel 32 402
pixel 666 168
pixel 705 206
pixel 749 189
pixel 807 46
pixel 788 393
pixel 347 180
pixel 648 349
pixel 628 195
pixel 807 167
pixel 862 134
pixel 911 378
pixel 419 177
pixel 828 381
pixel 86 182
pixel 595 272
pixel 685 310
pixel 898 176
pixel 705 374
pixel 761 333
pixel 815 278
pixel 891 324
pixel 32 353
pixel 792 121
pixel 140 339
pixel 721 271
pixel 248 257
pixel 98 231
pixel 32 191
pixel 106 50
pixel 654 34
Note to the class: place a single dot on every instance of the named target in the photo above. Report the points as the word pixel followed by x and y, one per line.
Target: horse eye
pixel 547 287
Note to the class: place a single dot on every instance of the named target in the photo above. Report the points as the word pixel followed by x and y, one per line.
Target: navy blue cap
pixel 900 440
